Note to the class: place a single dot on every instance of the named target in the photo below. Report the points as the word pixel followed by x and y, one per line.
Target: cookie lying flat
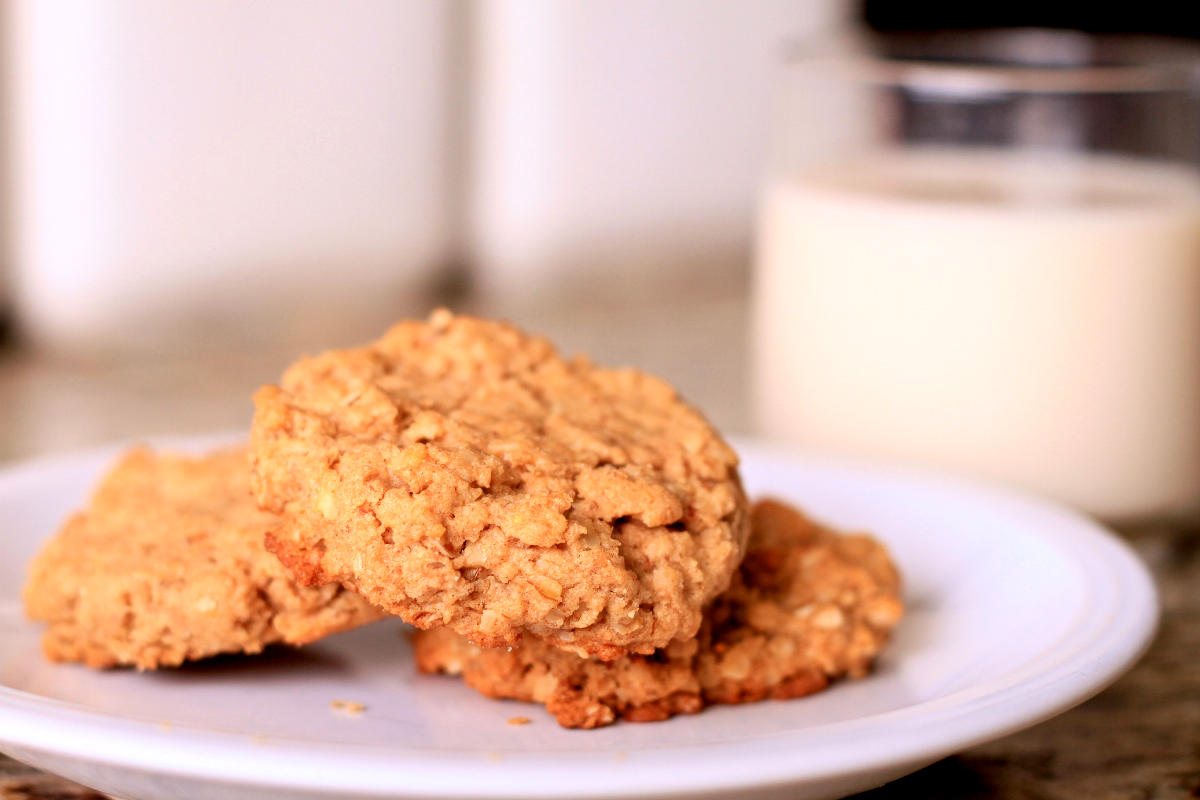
pixel 460 472
pixel 809 605
pixel 167 564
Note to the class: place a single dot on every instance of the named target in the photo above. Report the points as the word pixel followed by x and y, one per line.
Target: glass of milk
pixel 981 251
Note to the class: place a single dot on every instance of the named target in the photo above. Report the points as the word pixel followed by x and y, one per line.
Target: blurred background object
pixel 187 171
pixel 617 144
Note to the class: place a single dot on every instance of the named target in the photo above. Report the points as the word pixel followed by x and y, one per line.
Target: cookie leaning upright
pixel 167 564
pixel 460 472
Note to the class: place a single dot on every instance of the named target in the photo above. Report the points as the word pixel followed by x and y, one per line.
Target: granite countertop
pixel 1138 739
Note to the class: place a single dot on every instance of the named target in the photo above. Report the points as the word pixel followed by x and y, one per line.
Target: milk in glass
pixel 1030 317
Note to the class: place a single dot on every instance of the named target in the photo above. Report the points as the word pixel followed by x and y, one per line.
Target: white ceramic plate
pixel 1017 610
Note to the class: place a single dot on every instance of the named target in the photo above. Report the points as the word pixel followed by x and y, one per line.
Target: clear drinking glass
pixel 981 250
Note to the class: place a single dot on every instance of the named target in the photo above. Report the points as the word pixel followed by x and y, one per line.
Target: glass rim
pixel 933 77
pixel 1152 63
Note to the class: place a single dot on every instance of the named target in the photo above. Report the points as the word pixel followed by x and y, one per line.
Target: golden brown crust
pixel 459 472
pixel 807 606
pixel 167 564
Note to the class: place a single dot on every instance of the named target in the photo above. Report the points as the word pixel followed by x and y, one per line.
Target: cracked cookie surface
pixel 167 564
pixel 459 472
pixel 807 606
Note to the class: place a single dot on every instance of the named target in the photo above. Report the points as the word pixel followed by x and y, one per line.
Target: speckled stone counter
pixel 1140 739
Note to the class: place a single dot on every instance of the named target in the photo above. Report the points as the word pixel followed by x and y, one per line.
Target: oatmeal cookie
pixel 167 564
pixel 460 472
pixel 807 606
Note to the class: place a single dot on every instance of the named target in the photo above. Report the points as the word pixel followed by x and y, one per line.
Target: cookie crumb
pixel 621 756
pixel 494 756
pixel 165 726
pixel 519 720
pixel 348 707
pixel 258 738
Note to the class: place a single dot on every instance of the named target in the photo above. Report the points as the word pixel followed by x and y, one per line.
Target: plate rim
pixel 978 713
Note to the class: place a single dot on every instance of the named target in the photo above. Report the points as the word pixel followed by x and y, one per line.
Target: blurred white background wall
pixel 618 144
pixel 183 170
pixel 193 168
